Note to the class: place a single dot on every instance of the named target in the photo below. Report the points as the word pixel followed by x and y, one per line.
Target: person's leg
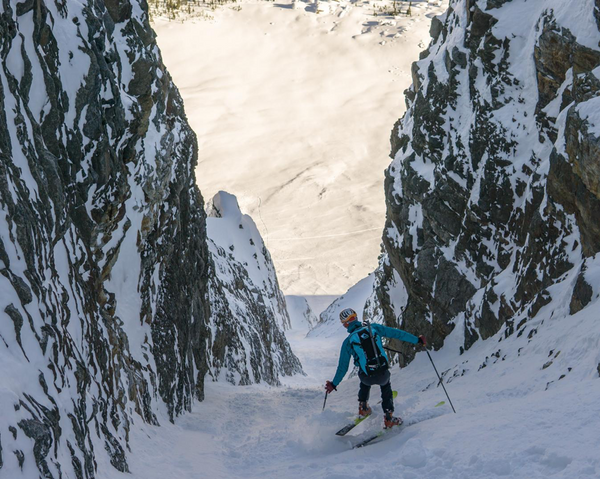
pixel 364 390
pixel 387 397
pixel 387 401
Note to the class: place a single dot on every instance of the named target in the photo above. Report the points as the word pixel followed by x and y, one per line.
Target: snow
pixel 526 404
pixel 301 315
pixel 236 233
pixel 590 111
pixel 355 298
pixel 515 418
pixel 293 112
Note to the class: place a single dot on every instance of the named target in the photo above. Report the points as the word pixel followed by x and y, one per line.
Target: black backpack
pixel 376 361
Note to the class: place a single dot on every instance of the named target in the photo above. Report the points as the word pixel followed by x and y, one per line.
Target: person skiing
pixel 365 346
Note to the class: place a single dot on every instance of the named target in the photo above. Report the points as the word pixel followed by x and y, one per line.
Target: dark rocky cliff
pixel 492 197
pixel 101 313
pixel 104 261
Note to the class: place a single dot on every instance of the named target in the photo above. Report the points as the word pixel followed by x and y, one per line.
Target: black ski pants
pixel 382 379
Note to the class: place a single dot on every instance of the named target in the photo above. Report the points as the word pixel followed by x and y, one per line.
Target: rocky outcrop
pixel 103 258
pixel 492 197
pixel 104 261
pixel 248 310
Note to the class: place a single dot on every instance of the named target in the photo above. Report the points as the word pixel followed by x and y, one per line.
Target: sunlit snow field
pixel 293 112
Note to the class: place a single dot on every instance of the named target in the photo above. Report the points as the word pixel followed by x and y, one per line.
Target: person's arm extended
pixel 395 333
pixel 343 363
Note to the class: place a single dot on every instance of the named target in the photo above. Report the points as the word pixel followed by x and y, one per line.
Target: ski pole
pixel 435 369
pixel 441 381
pixel 325 401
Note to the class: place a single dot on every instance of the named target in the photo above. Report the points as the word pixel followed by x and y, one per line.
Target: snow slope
pixel 293 111
pixel 355 298
pixel 515 417
pixel 526 408
pixel 301 314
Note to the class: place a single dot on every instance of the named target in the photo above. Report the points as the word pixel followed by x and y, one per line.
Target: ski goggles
pixel 350 318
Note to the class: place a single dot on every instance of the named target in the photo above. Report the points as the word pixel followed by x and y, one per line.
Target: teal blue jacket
pixel 349 349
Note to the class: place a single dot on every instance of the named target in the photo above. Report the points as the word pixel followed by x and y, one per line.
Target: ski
pixel 413 420
pixel 348 427
pixel 376 436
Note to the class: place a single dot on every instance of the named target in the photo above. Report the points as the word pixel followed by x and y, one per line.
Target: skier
pixel 364 345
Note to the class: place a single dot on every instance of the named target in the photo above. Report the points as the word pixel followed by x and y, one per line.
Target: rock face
pixel 248 310
pixel 492 196
pixel 104 261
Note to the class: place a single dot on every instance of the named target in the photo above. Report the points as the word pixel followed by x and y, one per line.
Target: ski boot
pixel 363 409
pixel 390 421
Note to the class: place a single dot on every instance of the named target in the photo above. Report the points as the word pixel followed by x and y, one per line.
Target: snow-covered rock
pixel 104 263
pixel 493 196
pixel 301 314
pixel 103 258
pixel 248 310
pixel 355 298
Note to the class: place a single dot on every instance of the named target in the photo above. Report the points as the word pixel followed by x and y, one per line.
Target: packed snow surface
pixel 293 110
pixel 515 417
